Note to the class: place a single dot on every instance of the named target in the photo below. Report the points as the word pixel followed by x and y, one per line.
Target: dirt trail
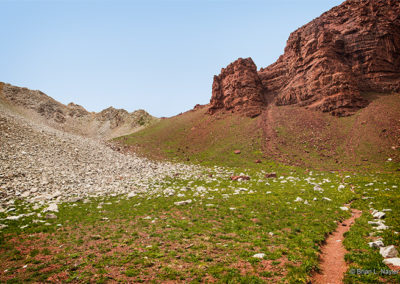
pixel 267 122
pixel 333 265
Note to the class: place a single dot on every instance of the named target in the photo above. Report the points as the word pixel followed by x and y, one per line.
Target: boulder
pixel 376 244
pixel 239 178
pixel 389 251
pixel 259 255
pixel 392 261
pixel 270 175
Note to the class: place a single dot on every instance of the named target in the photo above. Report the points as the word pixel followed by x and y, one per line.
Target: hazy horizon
pixel 160 56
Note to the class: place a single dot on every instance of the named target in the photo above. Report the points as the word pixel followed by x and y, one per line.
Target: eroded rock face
pixel 329 63
pixel 238 88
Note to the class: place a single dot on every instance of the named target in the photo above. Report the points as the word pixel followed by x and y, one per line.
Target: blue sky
pixel 160 56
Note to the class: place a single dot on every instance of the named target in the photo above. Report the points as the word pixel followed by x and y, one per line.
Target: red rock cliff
pixel 238 88
pixel 328 63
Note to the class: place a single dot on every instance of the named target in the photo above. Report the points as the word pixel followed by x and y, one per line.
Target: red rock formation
pixel 328 64
pixel 238 88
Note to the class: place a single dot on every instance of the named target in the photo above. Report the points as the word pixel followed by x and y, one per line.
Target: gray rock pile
pixel 41 164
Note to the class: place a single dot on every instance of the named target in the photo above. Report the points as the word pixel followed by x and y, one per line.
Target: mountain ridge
pixel 104 125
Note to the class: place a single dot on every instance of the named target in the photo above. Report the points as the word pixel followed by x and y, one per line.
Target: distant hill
pixel 106 124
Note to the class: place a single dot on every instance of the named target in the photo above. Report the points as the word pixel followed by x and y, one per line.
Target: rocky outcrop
pixel 118 117
pixel 238 88
pixel 329 63
pixel 34 100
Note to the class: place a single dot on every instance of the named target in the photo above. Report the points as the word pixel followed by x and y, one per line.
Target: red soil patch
pixel 333 265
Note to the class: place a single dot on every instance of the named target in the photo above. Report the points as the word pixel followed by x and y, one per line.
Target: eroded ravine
pixel 332 265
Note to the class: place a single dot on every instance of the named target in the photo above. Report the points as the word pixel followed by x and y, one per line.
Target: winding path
pixel 333 266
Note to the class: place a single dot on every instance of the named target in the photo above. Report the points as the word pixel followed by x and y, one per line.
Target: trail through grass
pixel 150 238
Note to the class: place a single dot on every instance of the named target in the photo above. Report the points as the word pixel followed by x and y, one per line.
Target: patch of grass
pixel 366 266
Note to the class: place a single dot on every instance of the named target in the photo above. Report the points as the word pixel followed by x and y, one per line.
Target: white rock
pixel 379 215
pixel 53 207
pixel 392 261
pixel 298 199
pixel 381 227
pixel 376 244
pixel 344 208
pixel 14 218
pixel 131 194
pixel 326 198
pixel 259 255
pixel 183 202
pixel 169 192
pixel 389 251
pixel 318 188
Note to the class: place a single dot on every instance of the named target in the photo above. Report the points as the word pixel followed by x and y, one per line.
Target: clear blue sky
pixel 156 55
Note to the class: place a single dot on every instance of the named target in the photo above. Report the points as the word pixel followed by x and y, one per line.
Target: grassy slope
pixel 363 141
pixel 288 135
pixel 200 138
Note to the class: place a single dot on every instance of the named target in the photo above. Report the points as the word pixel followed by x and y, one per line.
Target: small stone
pixel 131 194
pixel 52 207
pixel 95 237
pixel 379 215
pixel 392 261
pixel 51 216
pixel 240 178
pixel 376 244
pixel 259 255
pixel 270 175
pixel 318 188
pixel 183 202
pixel 14 218
pixel 237 152
pixel 389 251
pixel 344 208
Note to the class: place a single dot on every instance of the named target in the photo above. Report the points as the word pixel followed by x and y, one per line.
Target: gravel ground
pixel 41 164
